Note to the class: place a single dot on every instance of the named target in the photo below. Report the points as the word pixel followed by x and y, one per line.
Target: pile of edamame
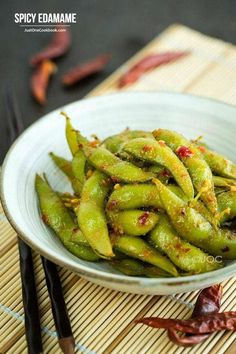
pixel 152 204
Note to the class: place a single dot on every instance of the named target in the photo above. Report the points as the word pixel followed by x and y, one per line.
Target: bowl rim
pixel 84 270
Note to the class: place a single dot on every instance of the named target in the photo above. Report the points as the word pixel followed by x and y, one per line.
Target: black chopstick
pixel 59 311
pixel 29 294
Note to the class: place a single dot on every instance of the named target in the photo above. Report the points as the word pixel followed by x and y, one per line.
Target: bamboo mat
pixel 102 319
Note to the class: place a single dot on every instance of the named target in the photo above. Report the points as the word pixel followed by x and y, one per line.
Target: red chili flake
pixel 142 220
pixel 147 148
pixel 148 63
pixel 225 249
pixel 183 211
pixel 115 179
pixel 161 142
pixel 202 148
pixel 155 210
pixel 183 152
pixel 40 80
pixel 165 173
pixel 85 70
pixel 59 46
pixel 94 143
pixel 112 204
pixel 45 218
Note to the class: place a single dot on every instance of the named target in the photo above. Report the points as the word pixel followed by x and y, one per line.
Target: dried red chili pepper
pixel 59 46
pixel 208 301
pixel 186 341
pixel 40 79
pixel 200 325
pixel 84 70
pixel 148 63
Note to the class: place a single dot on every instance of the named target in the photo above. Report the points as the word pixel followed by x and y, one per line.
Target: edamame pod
pixel 55 215
pixel 198 168
pixel 219 164
pixel 146 195
pixel 227 200
pixel 81 251
pixel 137 248
pixel 133 222
pixel 114 143
pixel 158 152
pixel 224 182
pixel 113 166
pixel 91 214
pixel 78 169
pixel 66 167
pixel 79 238
pixel 139 196
pixel 71 135
pixel 160 172
pixel 184 255
pixel 133 267
pixel 193 227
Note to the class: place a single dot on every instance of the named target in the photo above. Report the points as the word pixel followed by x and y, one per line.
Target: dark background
pixel 121 27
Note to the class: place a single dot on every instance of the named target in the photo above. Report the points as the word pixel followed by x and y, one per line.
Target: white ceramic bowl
pixel 107 115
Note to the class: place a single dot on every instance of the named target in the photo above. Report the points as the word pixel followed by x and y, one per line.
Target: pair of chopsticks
pixel 29 292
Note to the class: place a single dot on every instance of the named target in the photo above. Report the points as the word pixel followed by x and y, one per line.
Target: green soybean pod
pixel 81 251
pixel 158 152
pixel 133 197
pixel 114 143
pixel 219 164
pixel 224 182
pixel 198 168
pixel 71 135
pixel 133 222
pixel 160 172
pixel 63 164
pixel 227 201
pixel 79 238
pixel 120 170
pixel 137 248
pixel 194 228
pixel 91 214
pixel 133 267
pixel 55 215
pixel 139 196
pixel 78 169
pixel 66 167
pixel 184 255
pixel 146 195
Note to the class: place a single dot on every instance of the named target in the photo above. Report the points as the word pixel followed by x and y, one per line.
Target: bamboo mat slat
pixel 102 319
